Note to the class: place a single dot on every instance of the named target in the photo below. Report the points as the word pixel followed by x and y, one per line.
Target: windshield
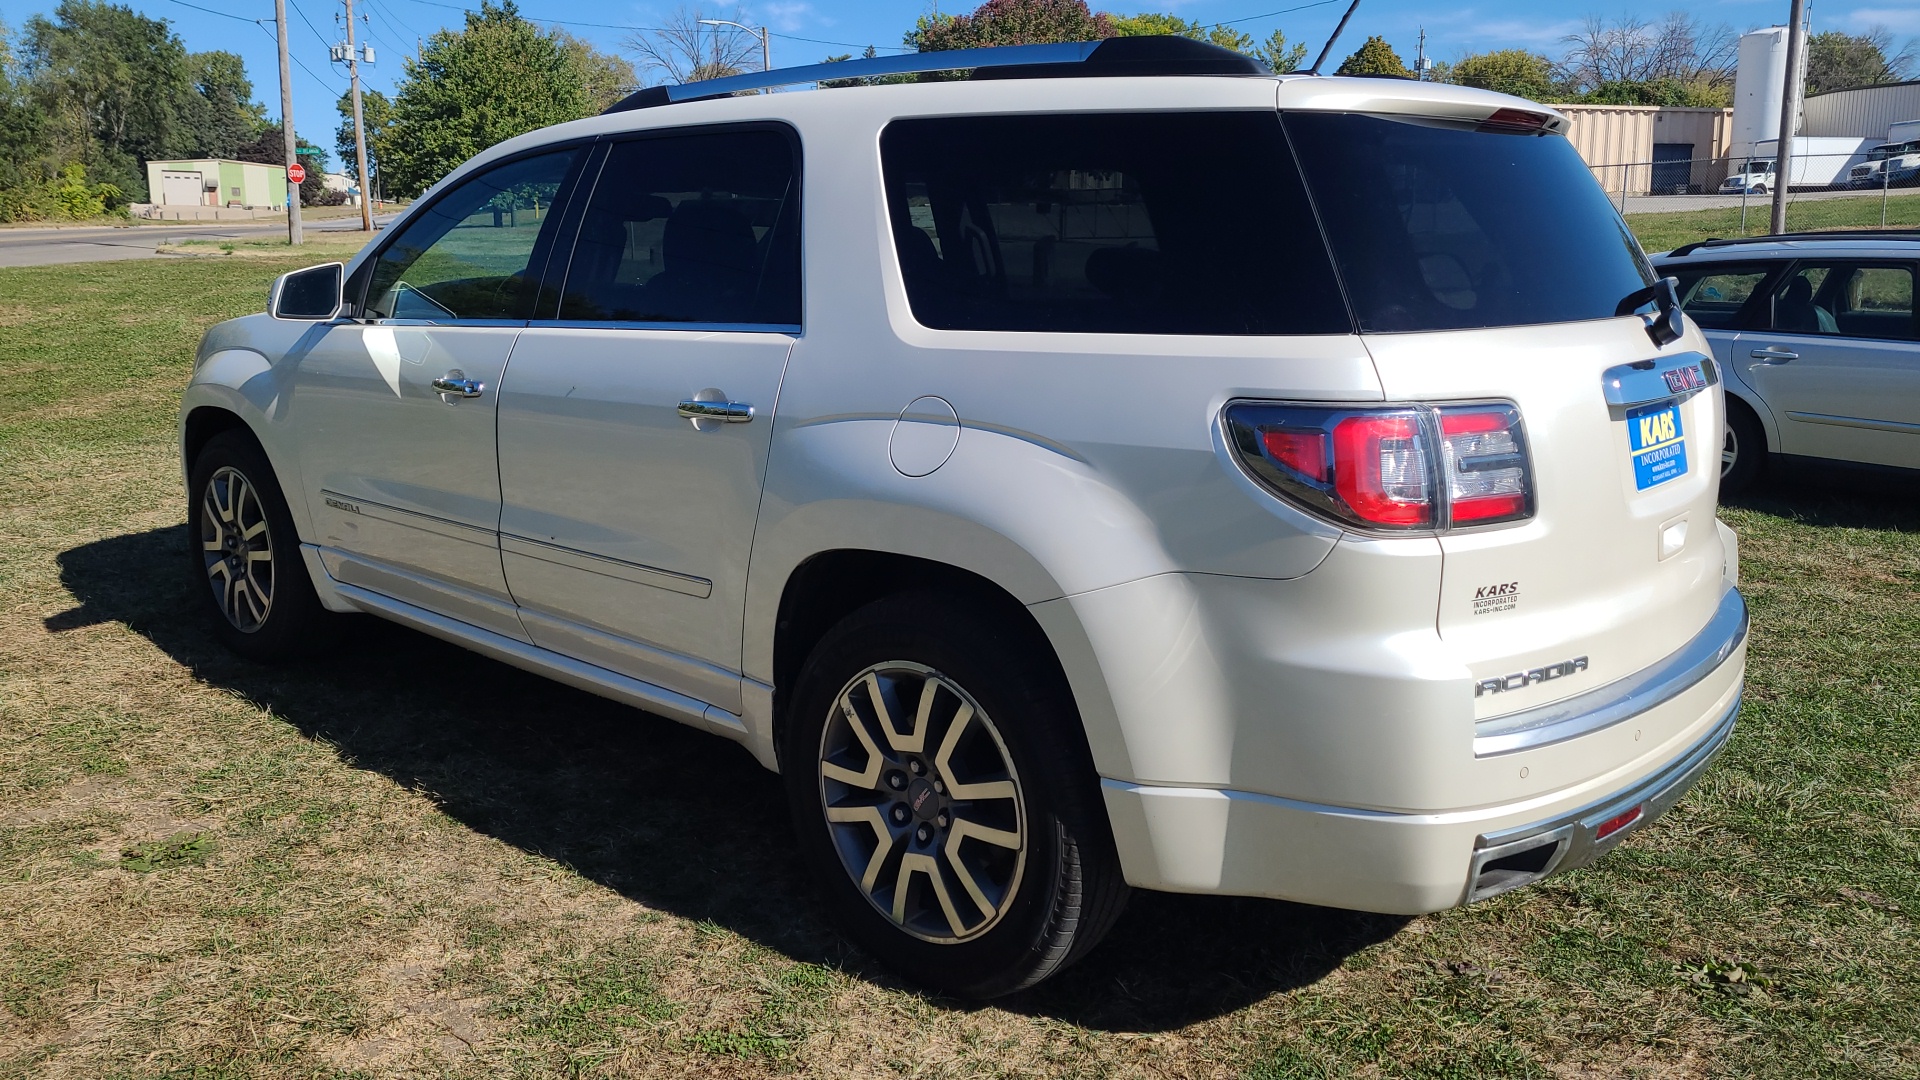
pixel 1440 226
pixel 1759 166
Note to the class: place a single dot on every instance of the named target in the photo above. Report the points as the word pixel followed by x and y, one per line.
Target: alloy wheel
pixel 927 818
pixel 237 548
pixel 1729 451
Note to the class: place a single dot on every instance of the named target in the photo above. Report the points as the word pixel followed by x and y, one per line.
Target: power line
pixel 310 26
pixel 222 14
pixel 301 64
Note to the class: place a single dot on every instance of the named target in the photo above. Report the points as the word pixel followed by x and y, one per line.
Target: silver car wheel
pixel 927 818
pixel 1729 451
pixel 238 549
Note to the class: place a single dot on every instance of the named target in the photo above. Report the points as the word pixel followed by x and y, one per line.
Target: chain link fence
pixel 1675 184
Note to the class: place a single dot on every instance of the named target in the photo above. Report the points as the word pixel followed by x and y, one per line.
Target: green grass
pixel 497 876
pixel 1668 230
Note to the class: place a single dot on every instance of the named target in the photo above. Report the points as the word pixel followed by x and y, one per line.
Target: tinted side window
pixel 1152 223
pixel 700 228
pixel 1715 295
pixel 479 250
pixel 1848 300
pixel 1441 226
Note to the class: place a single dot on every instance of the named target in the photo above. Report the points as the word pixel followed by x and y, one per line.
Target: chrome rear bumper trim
pixel 1622 699
pixel 1575 834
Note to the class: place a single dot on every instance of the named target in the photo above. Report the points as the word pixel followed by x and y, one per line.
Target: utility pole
pixel 294 236
pixel 360 127
pixel 1420 57
pixel 1789 112
pixel 766 53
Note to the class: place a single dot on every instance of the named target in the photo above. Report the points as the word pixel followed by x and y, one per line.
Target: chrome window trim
pixel 1622 699
pixel 619 569
pixel 789 329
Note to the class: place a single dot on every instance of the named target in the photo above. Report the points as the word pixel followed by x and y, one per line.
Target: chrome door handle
pixel 1774 354
pixel 456 384
pixel 726 412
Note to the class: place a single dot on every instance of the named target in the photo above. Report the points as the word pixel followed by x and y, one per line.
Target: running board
pixel 553 665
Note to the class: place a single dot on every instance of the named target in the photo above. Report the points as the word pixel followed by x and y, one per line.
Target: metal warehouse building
pixel 1868 112
pixel 217 182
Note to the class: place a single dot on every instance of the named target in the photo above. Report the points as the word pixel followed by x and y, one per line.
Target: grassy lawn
pixel 366 868
pixel 1666 231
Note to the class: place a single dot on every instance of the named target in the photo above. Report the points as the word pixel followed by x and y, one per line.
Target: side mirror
pixel 315 294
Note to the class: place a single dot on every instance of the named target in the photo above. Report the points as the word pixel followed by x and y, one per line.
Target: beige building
pixel 1652 149
pixel 217 182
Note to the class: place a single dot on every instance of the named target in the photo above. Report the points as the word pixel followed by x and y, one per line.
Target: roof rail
pixel 1161 55
pixel 1781 238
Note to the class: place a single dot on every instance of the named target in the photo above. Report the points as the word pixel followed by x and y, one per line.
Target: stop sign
pixel 296 173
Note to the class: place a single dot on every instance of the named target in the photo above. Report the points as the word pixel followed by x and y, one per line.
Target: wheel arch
pixel 830 585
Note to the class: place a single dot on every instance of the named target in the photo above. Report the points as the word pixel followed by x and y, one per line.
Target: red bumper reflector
pixel 1615 824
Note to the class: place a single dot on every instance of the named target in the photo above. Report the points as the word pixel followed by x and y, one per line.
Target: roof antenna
pixel 1337 31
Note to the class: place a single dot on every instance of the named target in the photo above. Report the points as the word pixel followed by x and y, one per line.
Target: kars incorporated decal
pixel 1491 598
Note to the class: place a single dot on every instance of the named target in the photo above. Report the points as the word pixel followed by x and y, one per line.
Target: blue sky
pixel 806 31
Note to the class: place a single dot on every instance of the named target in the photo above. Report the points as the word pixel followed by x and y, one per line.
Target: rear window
pixel 1149 223
pixel 1715 295
pixel 1438 226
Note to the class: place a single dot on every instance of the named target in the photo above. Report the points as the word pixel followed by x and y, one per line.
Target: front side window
pixel 698 228
pixel 1847 300
pixel 1148 223
pixel 1714 296
pixel 478 251
pixel 1442 226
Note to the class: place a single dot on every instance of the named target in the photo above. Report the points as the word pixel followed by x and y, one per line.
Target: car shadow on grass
pixel 1847 498
pixel 678 820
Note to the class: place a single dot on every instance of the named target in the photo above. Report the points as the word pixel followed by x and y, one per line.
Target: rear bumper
pixel 1221 840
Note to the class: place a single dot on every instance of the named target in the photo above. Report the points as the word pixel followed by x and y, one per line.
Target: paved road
pixel 91 243
pixel 1657 204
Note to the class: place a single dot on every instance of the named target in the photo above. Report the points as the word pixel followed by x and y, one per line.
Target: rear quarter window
pixel 1143 223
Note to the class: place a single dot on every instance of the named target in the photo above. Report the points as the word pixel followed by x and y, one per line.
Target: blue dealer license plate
pixel 1659 445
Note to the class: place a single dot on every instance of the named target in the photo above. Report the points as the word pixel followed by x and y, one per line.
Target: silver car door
pixel 394 410
pixel 634 429
pixel 1840 367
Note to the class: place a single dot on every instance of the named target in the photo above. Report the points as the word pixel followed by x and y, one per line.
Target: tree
pixel 684 51
pixel 1012 22
pixel 222 113
pixel 23 136
pixel 1374 57
pixel 1665 92
pixel 1508 71
pixel 376 118
pixel 605 78
pixel 113 86
pixel 1278 55
pixel 498 77
pixel 1631 50
pixel 1837 61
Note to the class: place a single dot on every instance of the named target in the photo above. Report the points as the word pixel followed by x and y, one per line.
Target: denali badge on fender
pixel 1520 680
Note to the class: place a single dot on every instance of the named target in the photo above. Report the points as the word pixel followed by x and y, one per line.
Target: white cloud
pixel 1900 20
pixel 790 15
pixel 1512 33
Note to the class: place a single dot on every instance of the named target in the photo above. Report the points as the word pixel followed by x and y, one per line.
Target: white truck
pixel 1895 163
pixel 1819 162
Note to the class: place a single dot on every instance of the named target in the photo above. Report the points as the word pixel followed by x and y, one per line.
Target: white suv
pixel 1124 467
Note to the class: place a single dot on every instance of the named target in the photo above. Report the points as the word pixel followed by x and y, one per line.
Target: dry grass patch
pixel 496 876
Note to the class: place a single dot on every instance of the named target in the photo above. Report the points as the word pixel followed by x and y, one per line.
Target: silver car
pixel 1817 336
pixel 1123 468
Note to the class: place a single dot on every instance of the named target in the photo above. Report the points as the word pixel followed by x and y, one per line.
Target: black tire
pixel 1055 899
pixel 265 565
pixel 1743 456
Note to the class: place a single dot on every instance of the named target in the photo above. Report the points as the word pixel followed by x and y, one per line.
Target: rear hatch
pixel 1485 265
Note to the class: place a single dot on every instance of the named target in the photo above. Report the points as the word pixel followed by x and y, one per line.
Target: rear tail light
pixel 1400 469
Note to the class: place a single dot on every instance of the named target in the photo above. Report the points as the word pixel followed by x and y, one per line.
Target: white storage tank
pixel 1758 84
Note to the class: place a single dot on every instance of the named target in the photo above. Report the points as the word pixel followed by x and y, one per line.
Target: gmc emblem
pixel 1682 379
